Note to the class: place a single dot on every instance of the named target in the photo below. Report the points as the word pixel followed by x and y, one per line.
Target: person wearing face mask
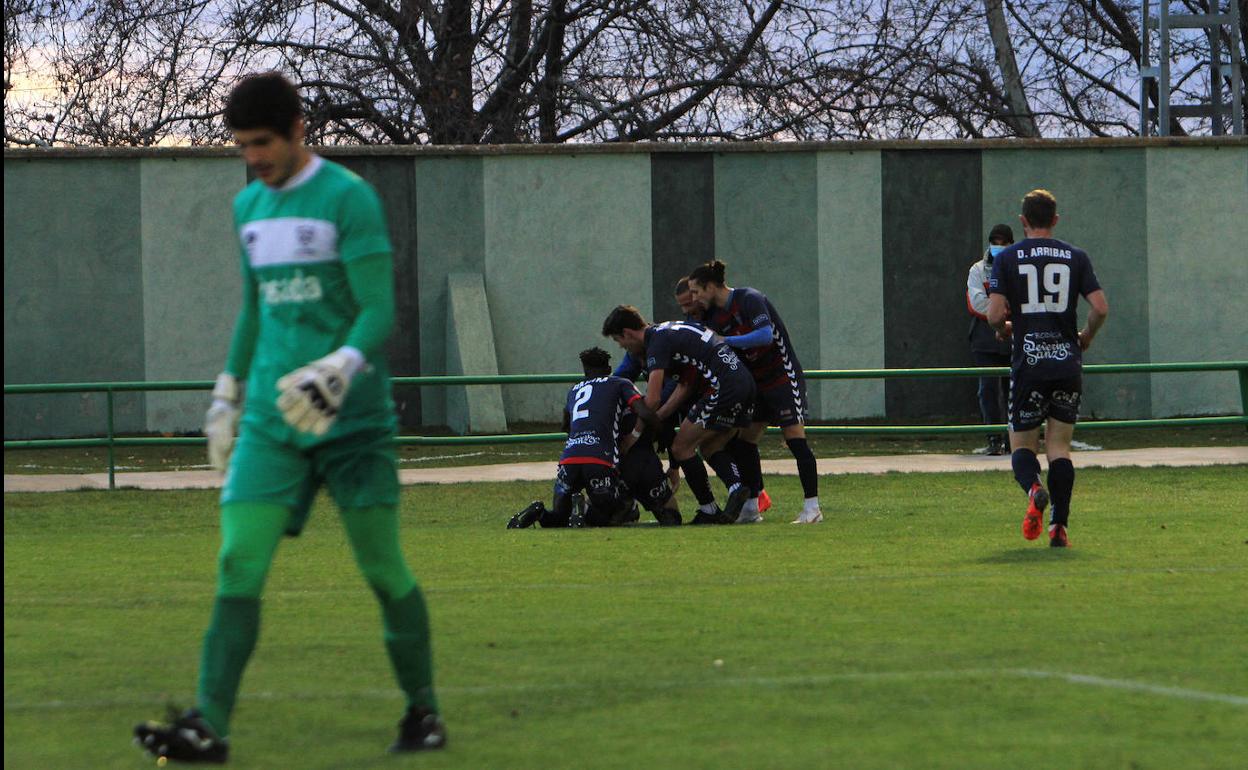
pixel 987 348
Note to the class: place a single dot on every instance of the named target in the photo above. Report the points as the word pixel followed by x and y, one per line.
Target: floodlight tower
pixel 1157 121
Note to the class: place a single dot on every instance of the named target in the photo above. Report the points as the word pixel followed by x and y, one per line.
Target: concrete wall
pixel 932 232
pixel 73 291
pixel 851 281
pixel 119 265
pixel 566 239
pixel 1197 241
pixel 191 278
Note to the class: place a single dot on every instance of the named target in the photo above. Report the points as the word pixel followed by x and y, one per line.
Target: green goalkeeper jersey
pixel 302 244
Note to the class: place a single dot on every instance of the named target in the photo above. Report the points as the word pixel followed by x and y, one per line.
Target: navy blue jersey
pixel 773 364
pixel 676 345
pixel 596 409
pixel 1042 280
pixel 634 368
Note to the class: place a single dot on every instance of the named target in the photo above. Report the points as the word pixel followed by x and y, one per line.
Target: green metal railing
pixel 112 441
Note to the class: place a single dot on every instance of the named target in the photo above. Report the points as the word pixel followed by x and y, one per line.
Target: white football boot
pixel 750 513
pixel 811 513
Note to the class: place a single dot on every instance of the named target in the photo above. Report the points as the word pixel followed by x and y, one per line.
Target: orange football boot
pixel 764 501
pixel 1033 522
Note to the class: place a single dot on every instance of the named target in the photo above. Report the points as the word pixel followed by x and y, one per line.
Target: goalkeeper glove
pixel 312 395
pixel 221 422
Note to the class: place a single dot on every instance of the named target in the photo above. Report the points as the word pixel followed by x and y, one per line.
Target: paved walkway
pixel 544 471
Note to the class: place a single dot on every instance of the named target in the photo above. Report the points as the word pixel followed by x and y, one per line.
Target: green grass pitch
pixel 914 628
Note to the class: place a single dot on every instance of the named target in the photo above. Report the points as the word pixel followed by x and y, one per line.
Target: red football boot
pixel 1033 522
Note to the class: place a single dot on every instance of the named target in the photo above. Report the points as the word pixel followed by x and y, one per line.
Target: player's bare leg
pixel 1024 445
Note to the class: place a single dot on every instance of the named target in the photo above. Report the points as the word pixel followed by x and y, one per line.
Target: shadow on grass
pixel 1035 554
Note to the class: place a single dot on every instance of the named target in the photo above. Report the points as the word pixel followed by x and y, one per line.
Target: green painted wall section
pixel 73 292
pixel 851 275
pixel 682 222
pixel 395 185
pixel 191 278
pixel 766 231
pixel 125 268
pixel 1101 203
pixel 566 239
pixel 931 232
pixel 1198 273
pixel 450 217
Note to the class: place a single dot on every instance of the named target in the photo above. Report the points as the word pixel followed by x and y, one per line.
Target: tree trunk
pixel 548 88
pixel 450 112
pixel 1019 118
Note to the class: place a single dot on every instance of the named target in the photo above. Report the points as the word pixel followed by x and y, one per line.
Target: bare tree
pixel 492 71
pixel 134 73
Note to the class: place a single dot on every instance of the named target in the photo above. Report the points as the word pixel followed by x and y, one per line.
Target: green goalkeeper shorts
pixel 360 470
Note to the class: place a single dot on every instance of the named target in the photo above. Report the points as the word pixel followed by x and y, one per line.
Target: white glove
pixel 221 422
pixel 312 395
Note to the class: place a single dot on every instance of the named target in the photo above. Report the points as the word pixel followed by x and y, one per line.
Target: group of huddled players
pixel 714 380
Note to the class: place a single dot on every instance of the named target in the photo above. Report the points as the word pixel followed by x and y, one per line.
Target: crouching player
pixel 597 416
pixel 724 406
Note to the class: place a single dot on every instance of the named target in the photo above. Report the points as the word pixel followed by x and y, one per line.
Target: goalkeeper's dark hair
pixel 595 362
pixel 709 273
pixel 623 317
pixel 265 100
pixel 682 286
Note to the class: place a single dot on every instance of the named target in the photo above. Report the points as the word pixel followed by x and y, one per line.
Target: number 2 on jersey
pixel 1056 281
pixel 583 394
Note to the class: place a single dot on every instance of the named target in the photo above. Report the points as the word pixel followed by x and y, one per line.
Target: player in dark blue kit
pixel 603 457
pixel 1036 284
pixel 723 407
pixel 751 324
pixel 674 404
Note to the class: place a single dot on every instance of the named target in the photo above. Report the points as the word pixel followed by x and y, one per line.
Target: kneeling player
pixel 594 416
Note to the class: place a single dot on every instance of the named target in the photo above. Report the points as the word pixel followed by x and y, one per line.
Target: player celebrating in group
pixel 600 459
pixel 723 407
pixel 318 305
pixel 751 324
pixel 1036 283
pixel 632 367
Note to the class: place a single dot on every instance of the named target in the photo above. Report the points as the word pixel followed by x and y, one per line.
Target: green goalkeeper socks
pixel 228 644
pixel 407 642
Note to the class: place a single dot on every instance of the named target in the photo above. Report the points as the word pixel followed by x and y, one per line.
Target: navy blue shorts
pixel 642 473
pixel 783 405
pixel 600 483
pixel 729 406
pixel 1033 401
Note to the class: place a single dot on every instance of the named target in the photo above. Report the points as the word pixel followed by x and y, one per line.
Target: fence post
pixel 1243 392
pixel 112 484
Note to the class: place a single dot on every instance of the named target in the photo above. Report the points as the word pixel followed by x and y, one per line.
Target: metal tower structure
pixel 1156 121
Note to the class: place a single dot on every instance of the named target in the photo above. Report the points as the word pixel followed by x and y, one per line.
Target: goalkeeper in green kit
pixel 318 305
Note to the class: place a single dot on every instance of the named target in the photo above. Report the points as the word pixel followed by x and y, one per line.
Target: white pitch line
pixel 1130 684
pixel 1180 693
